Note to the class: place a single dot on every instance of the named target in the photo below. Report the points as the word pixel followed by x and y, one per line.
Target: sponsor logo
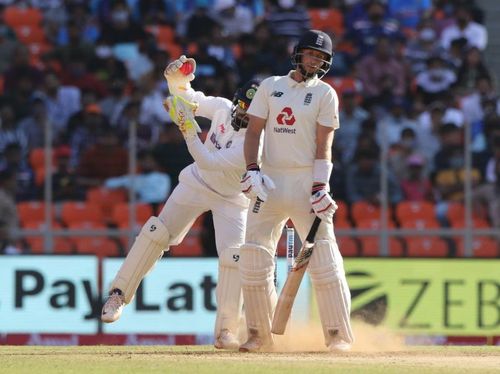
pixel 213 139
pixel 277 94
pixel 286 117
pixel 222 129
pixel 229 143
pixel 308 98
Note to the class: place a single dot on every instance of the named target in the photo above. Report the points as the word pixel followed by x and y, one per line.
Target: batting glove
pixel 322 203
pixel 182 112
pixel 254 184
pixel 178 76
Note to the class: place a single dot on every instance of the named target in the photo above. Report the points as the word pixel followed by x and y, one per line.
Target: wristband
pixel 253 166
pixel 322 170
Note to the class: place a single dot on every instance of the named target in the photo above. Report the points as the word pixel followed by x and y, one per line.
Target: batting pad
pixel 228 292
pixel 147 249
pixel 332 292
pixel 259 293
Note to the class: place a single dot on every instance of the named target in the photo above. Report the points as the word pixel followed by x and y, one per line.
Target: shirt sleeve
pixel 208 105
pixel 329 110
pixel 221 160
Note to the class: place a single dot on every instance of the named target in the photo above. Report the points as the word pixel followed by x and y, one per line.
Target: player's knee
pixel 256 264
pixel 229 257
pixel 325 265
pixel 156 231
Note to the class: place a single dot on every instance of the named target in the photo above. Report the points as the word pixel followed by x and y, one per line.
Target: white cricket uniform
pixel 212 182
pixel 292 110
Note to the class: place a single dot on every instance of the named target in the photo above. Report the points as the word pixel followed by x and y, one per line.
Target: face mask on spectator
pixel 119 16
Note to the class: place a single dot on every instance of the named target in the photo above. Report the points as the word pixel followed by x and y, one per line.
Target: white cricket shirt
pixel 292 110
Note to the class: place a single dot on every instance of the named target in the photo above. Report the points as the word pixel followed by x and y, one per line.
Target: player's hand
pixel 254 184
pixel 182 113
pixel 177 71
pixel 323 205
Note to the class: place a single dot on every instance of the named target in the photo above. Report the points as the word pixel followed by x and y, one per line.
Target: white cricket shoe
pixel 226 340
pixel 257 344
pixel 339 346
pixel 112 309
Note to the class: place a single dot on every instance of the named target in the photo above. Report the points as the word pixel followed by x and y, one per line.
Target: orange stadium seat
pixel 348 246
pixel 162 33
pixel 455 212
pixel 415 210
pixel 361 210
pixel 190 247
pixel 106 199
pixel 121 213
pixel 36 158
pixel 79 211
pixel 327 19
pixel 17 16
pixel 99 246
pixel 370 247
pixel 342 213
pixel 61 245
pixel 481 247
pixel 421 225
pixel 426 247
pixel 32 211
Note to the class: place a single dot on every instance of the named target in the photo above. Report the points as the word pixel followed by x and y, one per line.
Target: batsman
pixel 212 183
pixel 298 114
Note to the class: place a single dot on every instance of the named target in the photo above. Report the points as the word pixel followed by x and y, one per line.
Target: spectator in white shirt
pixel 465 27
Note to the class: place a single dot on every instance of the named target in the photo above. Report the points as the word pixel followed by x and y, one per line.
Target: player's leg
pixel 327 273
pixel 229 224
pixel 257 273
pixel 155 237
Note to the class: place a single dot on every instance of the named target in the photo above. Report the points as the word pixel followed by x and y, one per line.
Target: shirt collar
pixel 308 83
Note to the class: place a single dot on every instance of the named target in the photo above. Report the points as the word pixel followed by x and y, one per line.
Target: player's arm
pixel 222 160
pixel 252 139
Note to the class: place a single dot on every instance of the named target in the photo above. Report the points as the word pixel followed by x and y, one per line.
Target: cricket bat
pixel 292 284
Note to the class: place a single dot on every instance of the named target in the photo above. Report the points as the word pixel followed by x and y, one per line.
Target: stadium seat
pixel 190 247
pixel 342 213
pixel 481 247
pixel 328 20
pixel 78 211
pixel 362 210
pixel 421 225
pixel 406 210
pixel 32 211
pixel 426 247
pixel 20 16
pixel 455 212
pixel 370 247
pixel 36 158
pixel 106 199
pixel 121 213
pixel 99 246
pixel 163 34
pixel 348 246
pixel 340 223
pixel 61 245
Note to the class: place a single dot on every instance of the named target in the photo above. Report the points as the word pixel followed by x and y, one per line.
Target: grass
pixel 204 359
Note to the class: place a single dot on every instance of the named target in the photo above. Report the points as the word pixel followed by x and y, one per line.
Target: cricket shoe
pixel 226 340
pixel 257 344
pixel 339 346
pixel 113 307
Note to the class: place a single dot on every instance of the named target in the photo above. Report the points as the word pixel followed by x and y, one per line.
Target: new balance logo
pixel 277 94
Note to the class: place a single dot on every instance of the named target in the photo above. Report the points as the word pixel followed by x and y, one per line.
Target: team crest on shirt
pixel 308 98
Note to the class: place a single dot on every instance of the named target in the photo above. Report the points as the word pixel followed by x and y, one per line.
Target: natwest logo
pixel 286 117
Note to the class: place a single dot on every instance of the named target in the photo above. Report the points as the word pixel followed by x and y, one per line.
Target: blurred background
pixel 83 132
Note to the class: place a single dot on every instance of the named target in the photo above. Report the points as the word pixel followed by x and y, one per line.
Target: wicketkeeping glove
pixel 254 184
pixel 178 75
pixel 182 113
pixel 322 203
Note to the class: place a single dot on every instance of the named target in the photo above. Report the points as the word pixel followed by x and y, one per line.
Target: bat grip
pixel 313 230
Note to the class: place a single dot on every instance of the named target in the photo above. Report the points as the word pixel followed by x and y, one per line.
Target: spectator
pixel 120 28
pixel 150 185
pixel 352 116
pixel 399 152
pixel 61 101
pixel 436 80
pixel 409 12
pixel 391 125
pixel 113 104
pixel 416 186
pixel 104 159
pixel 235 18
pixel 472 68
pixel 487 195
pixel 197 25
pixel 464 27
pixel 289 19
pixel 421 48
pixel 8 45
pixel 472 104
pixel 491 166
pixel 8 211
pixel 20 66
pixel 9 130
pixel 382 75
pixel 363 180
pixel 34 125
pixel 65 179
pixel 14 160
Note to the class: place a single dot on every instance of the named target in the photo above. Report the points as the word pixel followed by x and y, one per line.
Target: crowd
pixel 410 75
